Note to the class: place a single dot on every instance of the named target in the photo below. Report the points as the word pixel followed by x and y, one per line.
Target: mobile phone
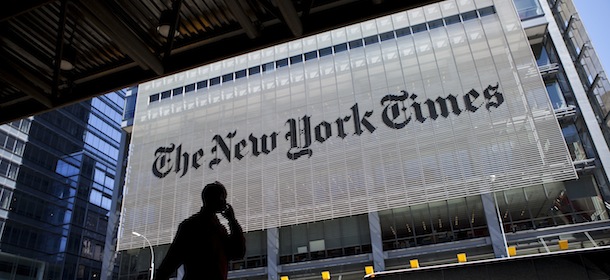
pixel 224 208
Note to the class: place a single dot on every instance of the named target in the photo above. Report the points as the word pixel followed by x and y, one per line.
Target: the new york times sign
pixel 397 112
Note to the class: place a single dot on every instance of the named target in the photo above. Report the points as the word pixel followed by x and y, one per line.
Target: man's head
pixel 214 197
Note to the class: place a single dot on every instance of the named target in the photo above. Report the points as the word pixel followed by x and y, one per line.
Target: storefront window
pixel 551 204
pixel 577 201
pixel 325 239
pixel 256 251
pixel 433 223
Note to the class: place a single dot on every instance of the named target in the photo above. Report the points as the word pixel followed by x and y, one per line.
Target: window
pixel 189 88
pixel 11 144
pixel 433 223
pixel 240 74
pixel 324 239
pixel 469 15
pixel 5 198
pixel 311 55
pixel 435 24
pixel 325 51
pixel 153 98
pixel 575 146
pixel 177 91
pixel 281 63
pixel 528 9
pixel 355 44
pixel 340 48
pixel 214 81
pixel 256 251
pixel 202 84
pixel 452 19
pixel 254 70
pixel 555 95
pixel 227 77
pixel 371 40
pixel 22 125
pixel 487 11
pixel 541 54
pixel 268 67
pixel 403 32
pixel 95 197
pixel 106 203
pixel 419 28
pixel 8 169
pixel 296 59
pixel 386 36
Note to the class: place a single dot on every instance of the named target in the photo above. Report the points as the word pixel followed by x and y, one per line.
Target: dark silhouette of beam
pixel 103 18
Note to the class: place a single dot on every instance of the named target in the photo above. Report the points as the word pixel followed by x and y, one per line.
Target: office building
pixel 469 127
pixel 58 174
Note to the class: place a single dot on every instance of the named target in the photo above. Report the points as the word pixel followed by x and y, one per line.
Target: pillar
pixel 376 243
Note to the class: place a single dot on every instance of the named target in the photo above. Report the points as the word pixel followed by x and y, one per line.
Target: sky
pixel 593 14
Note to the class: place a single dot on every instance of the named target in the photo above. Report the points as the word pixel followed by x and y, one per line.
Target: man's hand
pixel 228 213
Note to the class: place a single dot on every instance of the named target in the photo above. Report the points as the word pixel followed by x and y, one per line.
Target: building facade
pixel 458 127
pixel 58 175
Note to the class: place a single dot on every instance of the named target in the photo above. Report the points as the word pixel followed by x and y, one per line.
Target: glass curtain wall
pixel 433 223
pixel 63 186
pixel 548 205
pixel 256 251
pixel 135 263
pixel 325 239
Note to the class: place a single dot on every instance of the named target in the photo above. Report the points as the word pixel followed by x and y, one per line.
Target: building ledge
pixel 249 272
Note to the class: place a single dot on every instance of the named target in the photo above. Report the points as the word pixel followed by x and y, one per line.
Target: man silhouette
pixel 202 244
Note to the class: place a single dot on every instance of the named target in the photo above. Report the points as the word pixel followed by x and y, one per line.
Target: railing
pixel 548 68
pixel 524 249
pixel 577 239
pixel 585 164
pixel 563 112
pixel 588 263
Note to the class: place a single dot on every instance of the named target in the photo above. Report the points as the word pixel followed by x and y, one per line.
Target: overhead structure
pixel 55 53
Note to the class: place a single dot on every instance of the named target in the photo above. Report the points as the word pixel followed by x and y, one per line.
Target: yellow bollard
pixel 563 244
pixel 414 263
pixel 284 278
pixel 512 251
pixel 369 270
pixel 325 275
pixel 461 257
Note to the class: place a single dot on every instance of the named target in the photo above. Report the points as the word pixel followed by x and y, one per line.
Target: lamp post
pixel 152 254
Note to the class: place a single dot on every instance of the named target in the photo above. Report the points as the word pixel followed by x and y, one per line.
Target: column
pixel 376 243
pixel 273 247
pixel 494 225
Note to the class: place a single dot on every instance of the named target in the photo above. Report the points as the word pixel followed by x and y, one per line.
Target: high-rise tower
pixel 58 177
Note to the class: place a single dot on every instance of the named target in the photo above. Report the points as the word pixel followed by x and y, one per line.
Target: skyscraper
pixel 458 127
pixel 58 173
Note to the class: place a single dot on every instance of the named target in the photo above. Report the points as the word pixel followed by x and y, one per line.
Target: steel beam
pixel 103 18
pixel 26 87
pixel 243 19
pixel 291 18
